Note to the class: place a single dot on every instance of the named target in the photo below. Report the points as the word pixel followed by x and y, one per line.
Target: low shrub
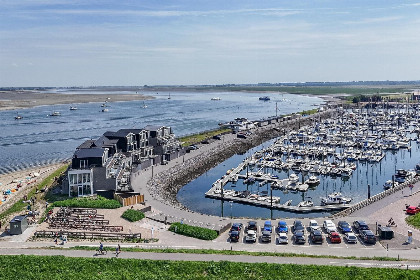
pixel 133 215
pixel 192 231
pixel 414 220
pixel 89 202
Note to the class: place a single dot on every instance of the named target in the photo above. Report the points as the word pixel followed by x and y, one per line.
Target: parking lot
pixel 344 244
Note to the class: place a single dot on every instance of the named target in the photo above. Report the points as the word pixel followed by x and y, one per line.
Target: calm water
pixel 38 139
pixel 192 194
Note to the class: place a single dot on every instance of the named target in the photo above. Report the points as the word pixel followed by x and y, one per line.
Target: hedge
pixel 89 202
pixel 133 215
pixel 192 231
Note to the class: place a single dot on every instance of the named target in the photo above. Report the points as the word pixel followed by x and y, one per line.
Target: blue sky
pixel 91 43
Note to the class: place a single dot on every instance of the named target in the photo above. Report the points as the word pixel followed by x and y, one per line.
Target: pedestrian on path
pixel 118 250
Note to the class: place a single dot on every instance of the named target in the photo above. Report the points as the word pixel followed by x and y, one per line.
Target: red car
pixel 334 237
pixel 412 210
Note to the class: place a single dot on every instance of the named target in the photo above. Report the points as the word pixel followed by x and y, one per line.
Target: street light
pixel 231 204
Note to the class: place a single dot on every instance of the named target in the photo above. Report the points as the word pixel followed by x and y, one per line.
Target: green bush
pixel 414 220
pixel 192 231
pixel 133 215
pixel 89 202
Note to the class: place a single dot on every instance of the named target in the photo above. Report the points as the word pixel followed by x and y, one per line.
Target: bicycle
pixel 101 252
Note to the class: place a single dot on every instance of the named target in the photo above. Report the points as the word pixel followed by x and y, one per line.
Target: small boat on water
pixel 388 184
pixel 293 178
pixel 313 180
pixel 215 98
pixel 335 198
pixel 55 114
pixel 18 117
pixel 305 203
pixel 105 110
pixel 72 108
pixel 264 98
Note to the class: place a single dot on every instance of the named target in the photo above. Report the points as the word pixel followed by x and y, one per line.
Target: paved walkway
pixel 208 257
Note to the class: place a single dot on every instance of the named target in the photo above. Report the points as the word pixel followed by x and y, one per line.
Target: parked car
pixel 298 226
pixel 282 238
pixel 191 148
pixel 251 236
pixel 282 227
pixel 234 236
pixel 236 227
pixel 266 236
pixel 316 236
pixel 367 236
pixel 268 226
pixel 313 225
pixel 350 237
pixel 334 237
pixel 252 225
pixel 217 137
pixel 299 237
pixel 329 226
pixel 344 227
pixel 412 210
pixel 360 225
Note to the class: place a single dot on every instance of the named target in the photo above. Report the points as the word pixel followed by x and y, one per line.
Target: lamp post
pixel 231 205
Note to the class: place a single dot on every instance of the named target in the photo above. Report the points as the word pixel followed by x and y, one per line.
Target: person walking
pixel 118 250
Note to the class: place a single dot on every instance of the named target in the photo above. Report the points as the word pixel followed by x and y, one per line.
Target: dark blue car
pixel 267 226
pixel 282 227
pixel 344 226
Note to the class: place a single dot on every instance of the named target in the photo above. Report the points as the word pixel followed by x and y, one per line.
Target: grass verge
pixel 197 138
pixel 414 220
pixel 59 267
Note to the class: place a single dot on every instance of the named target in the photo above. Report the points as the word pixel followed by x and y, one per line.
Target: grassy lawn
pixel 59 267
pixel 197 138
pixel 133 215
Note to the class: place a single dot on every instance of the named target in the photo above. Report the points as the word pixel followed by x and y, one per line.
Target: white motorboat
pixel 55 114
pixel 305 203
pixel 18 117
pixel 388 184
pixel 313 180
pixel 335 198
pixel 105 110
pixel 215 98
pixel 144 105
pixel 72 108
pixel 293 178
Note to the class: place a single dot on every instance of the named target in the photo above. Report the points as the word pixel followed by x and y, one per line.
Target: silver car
pixel 350 237
pixel 282 238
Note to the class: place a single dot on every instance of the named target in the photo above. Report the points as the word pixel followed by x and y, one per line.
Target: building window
pixel 83 163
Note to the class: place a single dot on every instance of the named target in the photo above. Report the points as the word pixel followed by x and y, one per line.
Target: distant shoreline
pixel 15 100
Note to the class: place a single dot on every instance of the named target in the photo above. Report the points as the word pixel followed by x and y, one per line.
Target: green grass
pixel 132 215
pixel 309 112
pixel 192 231
pixel 89 202
pixel 59 267
pixel 414 220
pixel 20 206
pixel 197 138
pixel 234 252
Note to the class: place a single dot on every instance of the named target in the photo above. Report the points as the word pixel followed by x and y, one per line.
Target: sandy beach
pixel 12 100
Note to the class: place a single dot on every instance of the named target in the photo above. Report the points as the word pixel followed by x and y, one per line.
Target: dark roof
pixel 122 133
pixel 152 127
pixel 132 130
pixel 89 153
pixel 87 144
pixel 105 141
pixel 18 218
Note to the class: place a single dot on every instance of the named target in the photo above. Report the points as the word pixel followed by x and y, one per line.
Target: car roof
pixel 317 232
pixel 343 222
pixel 282 223
pixel 267 223
pixel 361 222
pixel 234 232
pixel 266 232
pixel 236 224
pixel 299 232
pixel 252 223
pixel 251 231
pixel 334 233
pixel 283 234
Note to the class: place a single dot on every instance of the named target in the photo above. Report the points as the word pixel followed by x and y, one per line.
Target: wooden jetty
pixel 277 206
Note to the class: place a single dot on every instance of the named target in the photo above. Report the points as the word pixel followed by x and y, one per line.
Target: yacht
pixel 293 178
pixel 264 98
pixel 305 203
pixel 216 98
pixel 72 108
pixel 388 184
pixel 335 198
pixel 55 114
pixel 18 117
pixel 313 180
pixel 105 110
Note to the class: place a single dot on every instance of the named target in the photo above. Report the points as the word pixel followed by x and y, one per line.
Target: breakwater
pixel 165 185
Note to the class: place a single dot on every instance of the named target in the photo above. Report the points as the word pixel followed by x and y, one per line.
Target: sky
pixel 192 42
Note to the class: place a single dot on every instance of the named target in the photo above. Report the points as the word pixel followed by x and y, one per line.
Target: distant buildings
pixel 104 165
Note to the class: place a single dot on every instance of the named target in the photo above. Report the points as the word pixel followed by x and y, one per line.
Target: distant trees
pixel 367 98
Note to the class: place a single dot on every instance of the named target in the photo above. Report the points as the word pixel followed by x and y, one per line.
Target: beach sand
pixel 12 100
